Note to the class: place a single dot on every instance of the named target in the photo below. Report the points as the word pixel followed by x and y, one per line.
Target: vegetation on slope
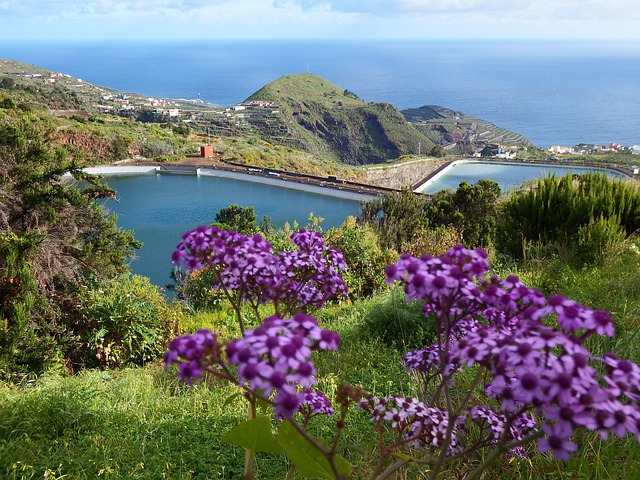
pixel 93 424
pixel 320 116
pixel 56 245
pixel 67 301
pixel 448 127
pixel 91 136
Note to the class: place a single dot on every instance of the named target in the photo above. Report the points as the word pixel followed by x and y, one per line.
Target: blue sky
pixel 299 19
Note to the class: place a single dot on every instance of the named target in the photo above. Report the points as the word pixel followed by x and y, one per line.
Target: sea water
pixel 552 92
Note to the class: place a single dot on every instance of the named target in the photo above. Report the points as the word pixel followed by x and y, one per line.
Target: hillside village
pixel 452 132
pixel 586 149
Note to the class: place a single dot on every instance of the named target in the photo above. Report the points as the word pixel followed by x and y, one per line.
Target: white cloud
pixel 386 7
pixel 318 18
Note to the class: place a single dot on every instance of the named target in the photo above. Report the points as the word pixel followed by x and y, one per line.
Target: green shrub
pixel 433 241
pixel 597 238
pixel 126 322
pixel 584 214
pixel 238 218
pixel 398 323
pixel 366 260
pixel 197 291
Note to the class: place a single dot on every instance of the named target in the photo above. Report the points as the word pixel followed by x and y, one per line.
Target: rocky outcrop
pixel 95 148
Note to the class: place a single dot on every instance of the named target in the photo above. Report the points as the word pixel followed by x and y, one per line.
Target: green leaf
pixel 254 435
pixel 231 398
pixel 309 462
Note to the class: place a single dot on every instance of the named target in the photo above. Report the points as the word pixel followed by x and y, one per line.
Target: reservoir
pixel 508 175
pixel 161 207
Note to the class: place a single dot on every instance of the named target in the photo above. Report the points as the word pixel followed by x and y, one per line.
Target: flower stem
pixel 249 454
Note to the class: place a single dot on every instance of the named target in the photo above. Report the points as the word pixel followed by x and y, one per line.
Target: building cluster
pixel 50 78
pixel 498 151
pixel 124 104
pixel 587 148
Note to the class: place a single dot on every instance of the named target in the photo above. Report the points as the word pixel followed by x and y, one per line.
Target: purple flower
pixel 194 353
pixel 287 403
pixel 305 277
pixel 316 403
pixel 421 426
pixel 503 327
pixel 187 371
pixel 556 439
pixel 276 357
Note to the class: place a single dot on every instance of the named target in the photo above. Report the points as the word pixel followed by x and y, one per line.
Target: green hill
pixel 317 116
pixel 460 133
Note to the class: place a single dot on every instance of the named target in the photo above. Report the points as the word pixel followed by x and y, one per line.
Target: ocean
pixel 554 93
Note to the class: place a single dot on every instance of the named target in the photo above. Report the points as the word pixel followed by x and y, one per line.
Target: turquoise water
pixel 160 208
pixel 508 176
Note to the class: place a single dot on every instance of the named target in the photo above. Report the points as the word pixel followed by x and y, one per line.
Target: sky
pixel 22 20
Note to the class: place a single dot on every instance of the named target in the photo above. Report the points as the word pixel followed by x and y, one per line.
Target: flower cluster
pixel 275 359
pixel 272 360
pixel 499 430
pixel 498 325
pixel 246 265
pixel 315 403
pixel 525 368
pixel 420 426
pixel 311 271
pixel 194 353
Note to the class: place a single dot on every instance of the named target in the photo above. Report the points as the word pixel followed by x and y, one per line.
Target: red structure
pixel 206 151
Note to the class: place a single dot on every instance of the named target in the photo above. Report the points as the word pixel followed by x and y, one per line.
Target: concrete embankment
pixel 322 186
pixel 402 175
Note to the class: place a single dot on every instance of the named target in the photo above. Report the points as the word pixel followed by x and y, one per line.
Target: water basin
pixel 508 175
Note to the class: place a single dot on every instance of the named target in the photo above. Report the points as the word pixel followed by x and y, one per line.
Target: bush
pixel 127 322
pixel 597 238
pixel 433 241
pixel 197 290
pixel 585 214
pixel 365 258
pixel 399 323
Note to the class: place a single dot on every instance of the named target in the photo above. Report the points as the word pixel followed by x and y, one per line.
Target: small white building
pixel 560 150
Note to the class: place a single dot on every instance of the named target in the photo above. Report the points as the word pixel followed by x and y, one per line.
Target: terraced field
pixel 447 127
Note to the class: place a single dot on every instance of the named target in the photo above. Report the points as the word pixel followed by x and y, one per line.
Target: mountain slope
pixel 322 118
pixel 460 133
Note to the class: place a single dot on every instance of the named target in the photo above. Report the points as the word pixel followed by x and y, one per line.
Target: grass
pixel 133 424
pixel 143 424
